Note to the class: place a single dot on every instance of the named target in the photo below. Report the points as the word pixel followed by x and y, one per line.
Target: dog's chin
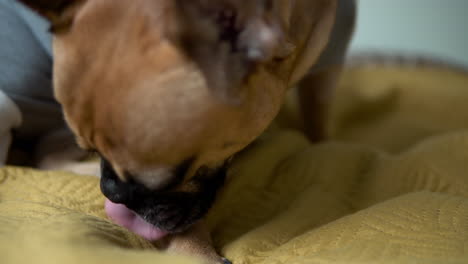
pixel 168 212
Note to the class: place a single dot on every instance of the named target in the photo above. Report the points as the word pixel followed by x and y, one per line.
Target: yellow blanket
pixel 392 187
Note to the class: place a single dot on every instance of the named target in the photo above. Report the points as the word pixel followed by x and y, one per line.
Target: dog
pixel 167 91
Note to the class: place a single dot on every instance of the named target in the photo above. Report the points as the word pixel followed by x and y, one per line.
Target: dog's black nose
pixel 125 192
pixel 118 191
pixel 112 187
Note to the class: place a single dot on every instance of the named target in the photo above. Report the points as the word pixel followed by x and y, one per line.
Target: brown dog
pixel 167 90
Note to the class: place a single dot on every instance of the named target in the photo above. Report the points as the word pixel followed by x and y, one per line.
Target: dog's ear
pixel 60 13
pixel 227 39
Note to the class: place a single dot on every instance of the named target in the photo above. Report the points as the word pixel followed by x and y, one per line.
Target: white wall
pixel 435 27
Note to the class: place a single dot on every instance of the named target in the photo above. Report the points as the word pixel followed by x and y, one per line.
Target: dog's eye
pixel 229 32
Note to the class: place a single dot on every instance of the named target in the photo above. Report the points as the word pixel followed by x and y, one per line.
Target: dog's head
pixel 160 89
pixel 165 91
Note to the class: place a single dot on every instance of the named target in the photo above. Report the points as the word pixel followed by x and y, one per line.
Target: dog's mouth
pixel 155 214
pixel 125 217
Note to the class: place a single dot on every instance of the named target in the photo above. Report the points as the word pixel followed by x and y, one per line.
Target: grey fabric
pixel 335 52
pixel 39 26
pixel 26 68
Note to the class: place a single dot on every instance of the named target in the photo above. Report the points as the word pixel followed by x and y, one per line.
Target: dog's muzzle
pixel 171 211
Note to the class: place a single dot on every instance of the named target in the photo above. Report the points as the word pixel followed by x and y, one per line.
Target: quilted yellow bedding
pixel 390 187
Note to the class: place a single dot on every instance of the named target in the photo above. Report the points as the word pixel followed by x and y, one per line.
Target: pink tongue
pixel 123 216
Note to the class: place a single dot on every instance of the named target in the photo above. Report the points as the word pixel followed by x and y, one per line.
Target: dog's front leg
pixel 315 94
pixel 195 242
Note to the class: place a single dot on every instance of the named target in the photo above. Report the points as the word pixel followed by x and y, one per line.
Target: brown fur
pixel 148 84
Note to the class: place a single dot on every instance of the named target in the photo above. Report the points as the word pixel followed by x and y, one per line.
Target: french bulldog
pixel 167 91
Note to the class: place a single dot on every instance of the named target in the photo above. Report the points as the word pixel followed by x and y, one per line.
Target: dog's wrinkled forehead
pixel 151 84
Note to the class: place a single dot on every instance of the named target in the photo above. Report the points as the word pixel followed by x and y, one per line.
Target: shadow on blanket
pixel 391 187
